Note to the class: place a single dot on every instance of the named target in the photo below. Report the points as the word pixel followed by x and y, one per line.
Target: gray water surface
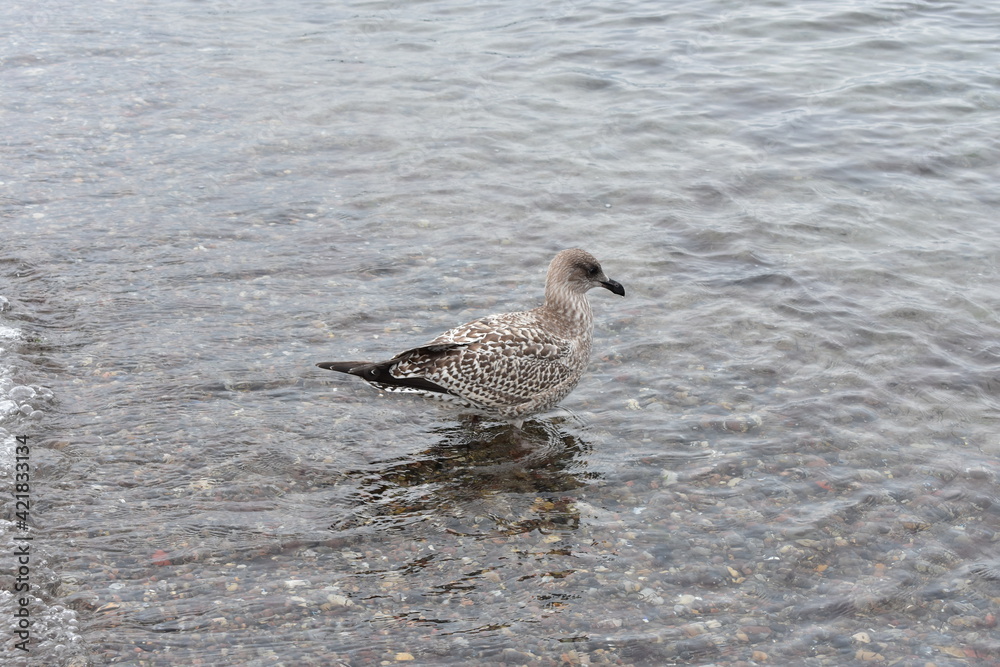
pixel 785 450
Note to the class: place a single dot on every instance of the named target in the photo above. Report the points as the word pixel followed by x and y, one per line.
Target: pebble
pixel 339 600
pixel 868 656
pixel 649 595
pixel 21 393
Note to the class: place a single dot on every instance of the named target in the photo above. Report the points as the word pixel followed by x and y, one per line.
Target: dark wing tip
pixel 379 374
pixel 341 366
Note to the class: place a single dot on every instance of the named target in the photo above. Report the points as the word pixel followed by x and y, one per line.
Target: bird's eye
pixel 594 270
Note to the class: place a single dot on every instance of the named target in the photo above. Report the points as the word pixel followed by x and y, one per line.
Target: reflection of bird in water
pixel 511 365
pixel 477 475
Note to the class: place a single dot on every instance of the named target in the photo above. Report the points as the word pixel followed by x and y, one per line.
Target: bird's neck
pixel 570 309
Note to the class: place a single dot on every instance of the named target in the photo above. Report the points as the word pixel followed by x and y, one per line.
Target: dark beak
pixel 614 286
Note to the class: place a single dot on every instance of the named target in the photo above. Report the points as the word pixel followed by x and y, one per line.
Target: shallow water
pixel 785 450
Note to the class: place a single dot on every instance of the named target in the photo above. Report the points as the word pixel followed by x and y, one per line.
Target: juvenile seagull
pixel 508 366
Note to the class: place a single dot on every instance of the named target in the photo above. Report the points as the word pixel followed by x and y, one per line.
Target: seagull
pixel 507 366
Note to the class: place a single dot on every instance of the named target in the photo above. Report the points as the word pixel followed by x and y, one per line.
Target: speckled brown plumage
pixel 511 365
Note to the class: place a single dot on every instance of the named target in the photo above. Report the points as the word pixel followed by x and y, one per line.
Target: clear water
pixel 786 447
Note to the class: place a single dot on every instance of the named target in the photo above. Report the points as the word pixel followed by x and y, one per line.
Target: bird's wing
pixel 498 360
pixel 508 335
